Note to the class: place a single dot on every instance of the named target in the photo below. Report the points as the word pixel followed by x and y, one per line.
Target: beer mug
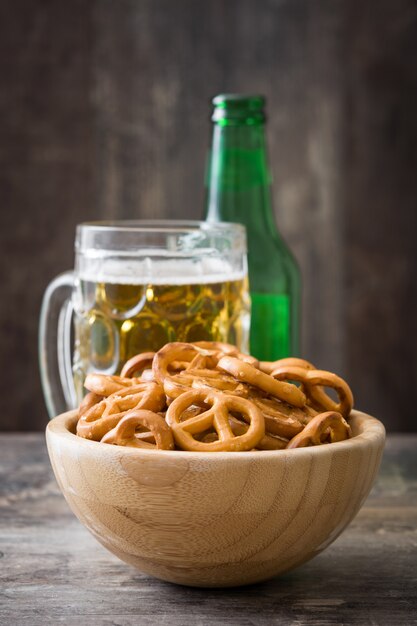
pixel 135 287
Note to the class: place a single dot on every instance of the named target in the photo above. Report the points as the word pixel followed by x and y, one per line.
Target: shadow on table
pixel 335 588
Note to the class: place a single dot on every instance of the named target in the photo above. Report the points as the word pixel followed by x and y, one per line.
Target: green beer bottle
pixel 238 189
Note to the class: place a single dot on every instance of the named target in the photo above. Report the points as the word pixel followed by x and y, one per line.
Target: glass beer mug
pixel 135 287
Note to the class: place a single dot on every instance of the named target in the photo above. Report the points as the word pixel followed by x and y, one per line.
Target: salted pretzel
pixel 137 364
pixel 313 382
pixel 278 408
pixel 226 349
pixel 326 427
pixel 200 360
pixel 218 399
pixel 217 346
pixel 281 418
pixel 268 441
pixel 203 378
pixel 104 415
pixel 147 376
pixel 172 354
pixel 124 433
pixel 105 385
pixel 88 401
pixel 218 408
pixel 246 373
pixel 269 366
pixel 221 382
pixel 177 384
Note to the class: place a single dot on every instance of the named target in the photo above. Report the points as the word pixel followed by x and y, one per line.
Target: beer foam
pixel 146 270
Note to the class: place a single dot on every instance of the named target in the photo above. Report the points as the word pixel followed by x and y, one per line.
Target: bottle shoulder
pixel 270 245
pixel 272 266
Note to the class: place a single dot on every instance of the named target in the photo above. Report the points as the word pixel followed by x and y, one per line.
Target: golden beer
pixel 137 285
pixel 116 319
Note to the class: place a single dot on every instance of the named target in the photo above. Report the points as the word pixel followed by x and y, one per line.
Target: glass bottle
pixel 238 189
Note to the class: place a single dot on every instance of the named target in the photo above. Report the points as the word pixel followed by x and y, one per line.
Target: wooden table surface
pixel 53 572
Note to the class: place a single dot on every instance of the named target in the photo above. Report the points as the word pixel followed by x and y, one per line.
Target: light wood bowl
pixel 215 519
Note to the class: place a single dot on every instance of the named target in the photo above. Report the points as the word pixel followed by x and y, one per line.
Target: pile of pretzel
pixel 207 396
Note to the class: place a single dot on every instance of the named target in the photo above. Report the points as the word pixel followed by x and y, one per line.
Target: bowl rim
pixel 368 430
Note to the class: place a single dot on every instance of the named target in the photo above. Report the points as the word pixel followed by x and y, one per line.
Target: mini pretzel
pixel 104 416
pixel 147 376
pixel 177 384
pixel 137 364
pixel 272 442
pixel 324 428
pixel 281 419
pixel 223 382
pixel 124 433
pixel 175 352
pixel 268 441
pixel 313 381
pixel 88 401
pixel 248 374
pixel 217 417
pixel 278 408
pixel 317 379
pixel 104 385
pixel 217 346
pixel 269 366
pixel 226 349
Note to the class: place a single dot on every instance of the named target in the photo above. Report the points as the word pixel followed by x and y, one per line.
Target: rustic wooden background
pixel 104 114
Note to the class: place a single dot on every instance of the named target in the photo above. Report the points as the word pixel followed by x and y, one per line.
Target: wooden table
pixel 53 572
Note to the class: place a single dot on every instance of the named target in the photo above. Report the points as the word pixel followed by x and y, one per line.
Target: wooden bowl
pixel 215 519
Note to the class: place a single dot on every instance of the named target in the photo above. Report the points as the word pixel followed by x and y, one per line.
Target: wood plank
pixel 104 113
pixel 381 218
pixel 53 571
pixel 46 177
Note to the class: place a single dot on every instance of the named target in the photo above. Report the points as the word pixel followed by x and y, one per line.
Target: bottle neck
pixel 238 181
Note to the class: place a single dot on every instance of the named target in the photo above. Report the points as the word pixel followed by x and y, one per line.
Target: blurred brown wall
pixel 104 114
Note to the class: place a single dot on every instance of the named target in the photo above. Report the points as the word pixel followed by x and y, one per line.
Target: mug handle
pixel 55 361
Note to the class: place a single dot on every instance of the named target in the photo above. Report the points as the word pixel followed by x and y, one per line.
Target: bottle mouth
pixel 238 109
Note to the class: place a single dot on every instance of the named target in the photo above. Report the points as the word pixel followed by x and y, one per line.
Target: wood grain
pixel 104 112
pixel 53 571
pixel 46 176
pixel 215 519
